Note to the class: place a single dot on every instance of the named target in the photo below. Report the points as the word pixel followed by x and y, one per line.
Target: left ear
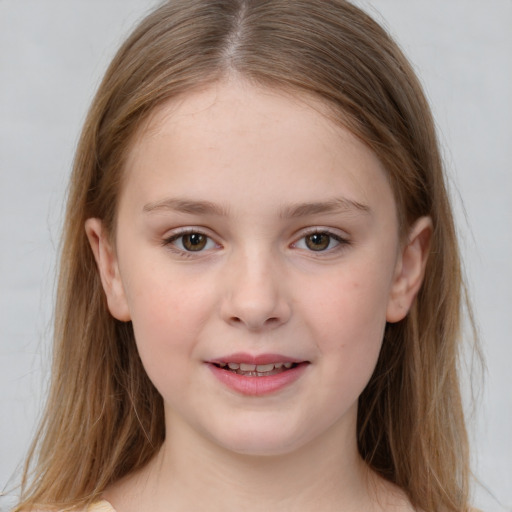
pixel 410 270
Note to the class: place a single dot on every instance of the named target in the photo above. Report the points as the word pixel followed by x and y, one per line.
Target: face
pixel 257 254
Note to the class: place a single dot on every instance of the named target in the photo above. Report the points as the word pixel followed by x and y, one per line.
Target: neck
pixel 297 480
pixel 192 473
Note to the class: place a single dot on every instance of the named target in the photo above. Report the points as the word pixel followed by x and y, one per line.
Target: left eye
pixel 191 242
pixel 318 242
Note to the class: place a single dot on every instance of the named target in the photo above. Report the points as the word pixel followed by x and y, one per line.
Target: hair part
pixel 104 418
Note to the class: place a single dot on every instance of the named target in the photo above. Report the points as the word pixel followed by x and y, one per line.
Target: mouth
pixel 257 375
pixel 256 370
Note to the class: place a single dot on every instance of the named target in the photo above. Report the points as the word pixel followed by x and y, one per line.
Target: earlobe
pixel 108 269
pixel 410 270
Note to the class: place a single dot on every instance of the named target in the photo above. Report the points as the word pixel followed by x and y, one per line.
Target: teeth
pixel 265 367
pixel 259 368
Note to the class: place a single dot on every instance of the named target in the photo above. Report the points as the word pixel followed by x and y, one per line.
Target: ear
pixel 108 269
pixel 410 270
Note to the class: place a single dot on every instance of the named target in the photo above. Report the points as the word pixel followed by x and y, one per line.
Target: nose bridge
pixel 255 294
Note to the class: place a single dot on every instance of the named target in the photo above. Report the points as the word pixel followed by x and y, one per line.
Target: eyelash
pixel 340 241
pixel 170 242
pixel 183 251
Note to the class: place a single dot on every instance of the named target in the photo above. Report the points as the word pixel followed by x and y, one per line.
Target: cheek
pixel 167 313
pixel 348 319
pixel 351 305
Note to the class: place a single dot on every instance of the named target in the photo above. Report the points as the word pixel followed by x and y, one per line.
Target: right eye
pixel 192 241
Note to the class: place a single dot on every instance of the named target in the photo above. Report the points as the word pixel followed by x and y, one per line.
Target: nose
pixel 255 294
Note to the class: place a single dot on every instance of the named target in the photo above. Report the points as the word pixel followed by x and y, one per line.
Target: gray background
pixel 52 55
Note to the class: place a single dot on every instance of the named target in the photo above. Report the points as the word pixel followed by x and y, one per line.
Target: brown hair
pixel 104 418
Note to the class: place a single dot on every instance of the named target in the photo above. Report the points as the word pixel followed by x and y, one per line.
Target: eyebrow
pixel 292 211
pixel 186 206
pixel 331 206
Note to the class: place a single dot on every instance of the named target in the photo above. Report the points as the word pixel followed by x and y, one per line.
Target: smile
pixel 257 375
pixel 256 370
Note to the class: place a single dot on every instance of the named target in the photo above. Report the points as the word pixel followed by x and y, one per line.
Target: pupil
pixel 194 241
pixel 318 241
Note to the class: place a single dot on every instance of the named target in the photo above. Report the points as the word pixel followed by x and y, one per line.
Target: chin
pixel 262 449
pixel 260 442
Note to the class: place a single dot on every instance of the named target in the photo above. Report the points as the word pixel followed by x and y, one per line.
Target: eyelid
pixel 342 240
pixel 168 241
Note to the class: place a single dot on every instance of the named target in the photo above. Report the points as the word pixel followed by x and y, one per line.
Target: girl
pixel 260 289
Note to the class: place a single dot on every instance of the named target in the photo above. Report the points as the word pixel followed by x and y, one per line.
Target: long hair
pixel 104 419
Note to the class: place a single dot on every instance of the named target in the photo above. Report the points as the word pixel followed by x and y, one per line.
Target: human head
pixel 324 48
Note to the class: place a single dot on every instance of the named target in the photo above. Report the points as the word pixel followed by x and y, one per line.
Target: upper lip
pixel 260 359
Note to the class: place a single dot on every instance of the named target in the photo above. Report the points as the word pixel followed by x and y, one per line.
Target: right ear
pixel 108 268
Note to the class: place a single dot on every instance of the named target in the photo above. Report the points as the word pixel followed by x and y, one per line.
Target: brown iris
pixel 194 241
pixel 318 241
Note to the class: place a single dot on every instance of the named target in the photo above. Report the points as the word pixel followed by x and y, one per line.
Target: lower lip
pixel 258 386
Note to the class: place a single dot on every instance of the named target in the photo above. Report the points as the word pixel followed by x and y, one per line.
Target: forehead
pixel 233 106
pixel 233 136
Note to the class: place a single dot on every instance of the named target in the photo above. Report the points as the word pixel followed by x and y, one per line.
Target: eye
pixel 320 241
pixel 192 241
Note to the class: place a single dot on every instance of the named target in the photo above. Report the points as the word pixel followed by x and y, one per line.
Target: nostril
pixel 255 313
pixel 255 324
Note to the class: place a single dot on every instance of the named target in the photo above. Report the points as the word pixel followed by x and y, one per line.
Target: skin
pixel 242 166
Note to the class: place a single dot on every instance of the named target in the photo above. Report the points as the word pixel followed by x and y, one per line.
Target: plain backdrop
pixel 52 55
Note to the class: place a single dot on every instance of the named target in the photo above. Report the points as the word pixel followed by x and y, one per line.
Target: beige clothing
pixel 105 506
pixel 101 506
